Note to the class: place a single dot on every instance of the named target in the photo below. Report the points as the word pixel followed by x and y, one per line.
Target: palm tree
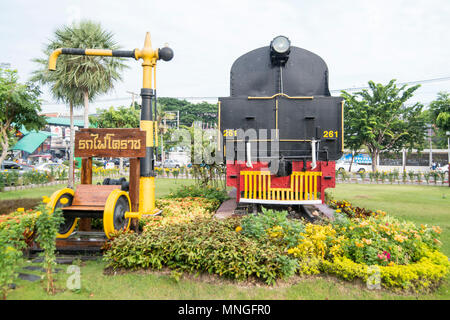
pixel 80 79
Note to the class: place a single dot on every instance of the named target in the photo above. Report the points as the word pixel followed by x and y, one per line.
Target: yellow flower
pixel 390 264
pixel 359 245
pixel 437 229
pixel 238 229
pixel 45 199
pixel 38 213
pixel 338 210
pixel 64 200
pixel 20 209
pixel 367 241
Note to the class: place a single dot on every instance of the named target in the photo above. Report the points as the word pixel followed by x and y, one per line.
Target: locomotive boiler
pixel 281 130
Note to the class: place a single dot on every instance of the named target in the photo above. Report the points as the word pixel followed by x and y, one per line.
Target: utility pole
pixel 133 94
pixel 430 133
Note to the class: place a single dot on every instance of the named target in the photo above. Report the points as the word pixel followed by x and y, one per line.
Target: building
pixel 50 143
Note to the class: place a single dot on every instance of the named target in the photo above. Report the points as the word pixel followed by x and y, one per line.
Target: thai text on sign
pixel 129 143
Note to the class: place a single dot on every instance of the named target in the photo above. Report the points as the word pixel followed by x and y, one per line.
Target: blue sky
pixel 359 40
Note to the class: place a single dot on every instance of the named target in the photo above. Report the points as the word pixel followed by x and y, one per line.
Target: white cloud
pixel 359 40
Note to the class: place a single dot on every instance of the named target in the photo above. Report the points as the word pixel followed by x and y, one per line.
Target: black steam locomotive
pixel 281 128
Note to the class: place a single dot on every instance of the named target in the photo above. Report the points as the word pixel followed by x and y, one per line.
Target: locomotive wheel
pixel 117 204
pixel 60 199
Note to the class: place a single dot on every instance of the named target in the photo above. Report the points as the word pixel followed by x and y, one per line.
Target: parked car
pixel 170 163
pixel 110 165
pixel 14 166
pixel 10 165
pixel 356 167
pixel 49 166
pixel 443 168
pixel 126 162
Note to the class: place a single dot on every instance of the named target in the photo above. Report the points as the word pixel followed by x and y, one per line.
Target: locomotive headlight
pixel 280 47
pixel 281 44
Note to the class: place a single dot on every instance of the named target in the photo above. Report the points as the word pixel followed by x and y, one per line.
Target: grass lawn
pixel 163 187
pixel 421 204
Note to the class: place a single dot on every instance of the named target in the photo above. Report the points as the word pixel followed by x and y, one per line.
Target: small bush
pixel 196 191
pixel 274 226
pixel 207 245
pixel 176 211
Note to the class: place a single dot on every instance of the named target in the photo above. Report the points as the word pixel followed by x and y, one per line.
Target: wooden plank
pixel 86 178
pixel 126 143
pixel 92 195
pixel 86 170
pixel 84 208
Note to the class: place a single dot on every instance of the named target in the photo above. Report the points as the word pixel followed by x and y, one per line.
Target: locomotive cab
pixel 281 129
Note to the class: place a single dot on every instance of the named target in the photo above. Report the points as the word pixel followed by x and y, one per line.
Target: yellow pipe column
pixel 147 179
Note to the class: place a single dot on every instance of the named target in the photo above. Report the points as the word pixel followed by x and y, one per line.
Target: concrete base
pixel 226 209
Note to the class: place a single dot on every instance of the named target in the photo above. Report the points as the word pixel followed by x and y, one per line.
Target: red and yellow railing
pixel 257 188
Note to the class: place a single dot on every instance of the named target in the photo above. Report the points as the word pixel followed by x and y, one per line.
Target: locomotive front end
pixel 281 129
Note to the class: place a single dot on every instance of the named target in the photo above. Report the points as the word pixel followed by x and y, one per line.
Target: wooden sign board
pixel 121 143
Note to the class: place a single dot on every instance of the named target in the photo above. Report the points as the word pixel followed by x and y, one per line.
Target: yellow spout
pixel 53 57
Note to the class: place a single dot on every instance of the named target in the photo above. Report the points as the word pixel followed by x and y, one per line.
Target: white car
pixel 356 167
pixel 110 165
pixel 443 168
pixel 170 163
pixel 47 167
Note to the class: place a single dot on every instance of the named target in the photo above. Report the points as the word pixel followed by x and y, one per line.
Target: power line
pixel 215 97
pixel 399 83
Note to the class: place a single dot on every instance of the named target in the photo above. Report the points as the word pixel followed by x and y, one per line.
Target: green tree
pixel 79 79
pixel 19 106
pixel 439 115
pixel 383 120
pixel 189 112
pixel 353 140
pixel 123 117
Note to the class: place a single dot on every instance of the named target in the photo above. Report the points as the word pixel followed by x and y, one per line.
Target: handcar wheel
pixel 117 204
pixel 60 199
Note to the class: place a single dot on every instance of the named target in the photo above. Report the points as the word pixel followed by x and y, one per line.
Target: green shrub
pixel 9 178
pixel 35 177
pixel 13 234
pixel 442 176
pixel 396 174
pixel 435 176
pixel 196 191
pixel 411 175
pixel 427 176
pixel 273 225
pixel 207 245
pixel 423 275
pixel 47 225
pixel 362 175
pixel 383 240
pixel 391 177
pixel 419 177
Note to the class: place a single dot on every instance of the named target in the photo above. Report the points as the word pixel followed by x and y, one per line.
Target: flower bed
pixel 179 210
pixel 358 244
